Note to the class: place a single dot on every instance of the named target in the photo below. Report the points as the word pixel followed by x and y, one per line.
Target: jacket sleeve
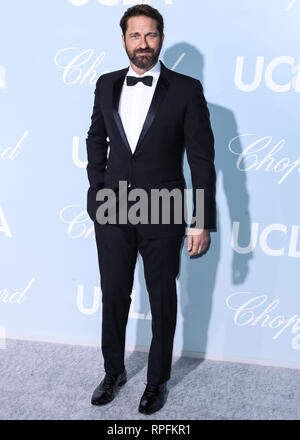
pixel 199 143
pixel 97 146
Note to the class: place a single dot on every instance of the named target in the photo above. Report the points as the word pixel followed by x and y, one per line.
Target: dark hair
pixel 146 10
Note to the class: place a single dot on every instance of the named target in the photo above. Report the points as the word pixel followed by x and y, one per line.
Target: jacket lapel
pixel 158 96
pixel 116 93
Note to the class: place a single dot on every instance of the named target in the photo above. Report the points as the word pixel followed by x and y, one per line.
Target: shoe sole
pixel 143 411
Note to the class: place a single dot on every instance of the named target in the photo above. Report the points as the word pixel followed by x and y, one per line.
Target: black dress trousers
pixel 117 247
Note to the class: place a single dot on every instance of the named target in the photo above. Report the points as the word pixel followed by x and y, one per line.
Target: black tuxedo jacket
pixel 178 118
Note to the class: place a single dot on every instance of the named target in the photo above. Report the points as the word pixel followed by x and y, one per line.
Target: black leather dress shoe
pixel 106 390
pixel 153 398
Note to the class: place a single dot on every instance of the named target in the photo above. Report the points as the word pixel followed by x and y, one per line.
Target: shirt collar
pixel 154 71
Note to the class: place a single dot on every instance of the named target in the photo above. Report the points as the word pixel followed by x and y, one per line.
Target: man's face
pixel 142 41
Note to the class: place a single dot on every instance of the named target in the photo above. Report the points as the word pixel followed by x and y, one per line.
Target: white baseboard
pixel 176 353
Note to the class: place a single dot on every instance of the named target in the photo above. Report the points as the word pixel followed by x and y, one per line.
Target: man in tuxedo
pixel 147 114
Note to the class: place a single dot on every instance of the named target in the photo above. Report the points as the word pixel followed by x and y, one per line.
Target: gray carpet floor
pixel 46 381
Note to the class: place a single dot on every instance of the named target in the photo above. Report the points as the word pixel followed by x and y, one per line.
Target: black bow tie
pixel 132 80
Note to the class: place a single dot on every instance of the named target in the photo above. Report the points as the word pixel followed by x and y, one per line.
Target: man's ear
pixel 123 41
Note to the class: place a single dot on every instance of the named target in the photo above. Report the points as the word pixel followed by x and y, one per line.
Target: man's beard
pixel 144 61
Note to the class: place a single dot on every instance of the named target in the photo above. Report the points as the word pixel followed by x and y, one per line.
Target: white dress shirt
pixel 135 102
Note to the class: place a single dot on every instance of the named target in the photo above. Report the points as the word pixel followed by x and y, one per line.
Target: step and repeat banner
pixel 241 300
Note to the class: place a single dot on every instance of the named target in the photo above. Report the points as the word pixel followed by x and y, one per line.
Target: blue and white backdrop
pixel 241 301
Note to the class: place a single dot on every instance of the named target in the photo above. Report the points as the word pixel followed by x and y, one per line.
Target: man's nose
pixel 144 46
pixel 144 43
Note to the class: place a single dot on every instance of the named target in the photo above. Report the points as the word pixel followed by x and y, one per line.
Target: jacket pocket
pixel 173 181
pixel 170 180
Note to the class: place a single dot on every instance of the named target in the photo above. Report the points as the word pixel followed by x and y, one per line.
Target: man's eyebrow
pixel 137 33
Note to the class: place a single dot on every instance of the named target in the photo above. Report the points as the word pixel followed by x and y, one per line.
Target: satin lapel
pixel 158 97
pixel 117 88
